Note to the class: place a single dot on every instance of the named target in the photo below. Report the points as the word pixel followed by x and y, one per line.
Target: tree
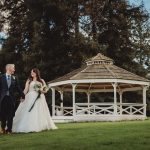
pixel 44 34
pixel 115 24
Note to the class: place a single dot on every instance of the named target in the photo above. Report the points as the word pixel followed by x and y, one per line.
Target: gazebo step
pixel 108 117
pixel 62 119
pixel 89 118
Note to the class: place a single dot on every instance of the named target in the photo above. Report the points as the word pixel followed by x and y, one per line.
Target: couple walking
pixel 32 114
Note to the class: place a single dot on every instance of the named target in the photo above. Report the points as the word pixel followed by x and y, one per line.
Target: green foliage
pixel 41 35
pixel 57 36
pixel 50 35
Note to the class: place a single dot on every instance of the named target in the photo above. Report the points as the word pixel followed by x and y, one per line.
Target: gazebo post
pixel 62 98
pixel 73 97
pixel 61 104
pixel 88 97
pixel 53 101
pixel 144 99
pixel 121 93
pixel 115 98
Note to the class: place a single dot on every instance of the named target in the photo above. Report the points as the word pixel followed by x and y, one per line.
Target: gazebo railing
pixel 101 109
pixel 108 109
pixel 63 111
pixel 130 109
pixel 94 108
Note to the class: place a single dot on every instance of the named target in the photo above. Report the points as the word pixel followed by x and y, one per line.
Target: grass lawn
pixel 131 135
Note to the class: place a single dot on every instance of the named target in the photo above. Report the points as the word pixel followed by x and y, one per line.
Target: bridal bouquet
pixel 40 89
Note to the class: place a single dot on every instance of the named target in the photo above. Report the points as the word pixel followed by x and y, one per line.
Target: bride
pixel 33 114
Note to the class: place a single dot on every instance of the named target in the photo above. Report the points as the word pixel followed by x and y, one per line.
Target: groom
pixel 8 86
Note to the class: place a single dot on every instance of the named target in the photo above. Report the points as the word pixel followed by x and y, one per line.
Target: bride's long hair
pixel 38 76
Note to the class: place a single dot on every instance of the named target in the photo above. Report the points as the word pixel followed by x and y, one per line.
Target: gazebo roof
pixel 100 67
pixel 99 75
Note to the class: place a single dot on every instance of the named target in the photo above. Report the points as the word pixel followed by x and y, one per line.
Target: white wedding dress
pixel 37 119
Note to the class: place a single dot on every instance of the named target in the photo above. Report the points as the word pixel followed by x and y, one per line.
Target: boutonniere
pixel 13 77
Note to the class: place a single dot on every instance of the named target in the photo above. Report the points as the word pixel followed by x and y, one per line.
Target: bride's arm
pixel 44 84
pixel 26 87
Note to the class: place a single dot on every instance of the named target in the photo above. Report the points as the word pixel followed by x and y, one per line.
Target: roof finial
pixel 99 59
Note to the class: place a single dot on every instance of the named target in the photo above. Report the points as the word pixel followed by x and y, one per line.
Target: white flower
pixel 37 87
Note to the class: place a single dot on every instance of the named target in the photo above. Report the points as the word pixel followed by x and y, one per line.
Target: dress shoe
pixel 3 131
pixel 8 133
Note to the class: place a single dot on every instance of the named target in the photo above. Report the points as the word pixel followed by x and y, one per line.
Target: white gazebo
pixel 99 75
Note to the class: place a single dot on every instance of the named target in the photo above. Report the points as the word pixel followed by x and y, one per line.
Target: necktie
pixel 8 80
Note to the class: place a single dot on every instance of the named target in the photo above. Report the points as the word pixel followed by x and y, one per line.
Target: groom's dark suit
pixel 8 86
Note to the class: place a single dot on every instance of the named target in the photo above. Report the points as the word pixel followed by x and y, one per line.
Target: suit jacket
pixel 14 87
